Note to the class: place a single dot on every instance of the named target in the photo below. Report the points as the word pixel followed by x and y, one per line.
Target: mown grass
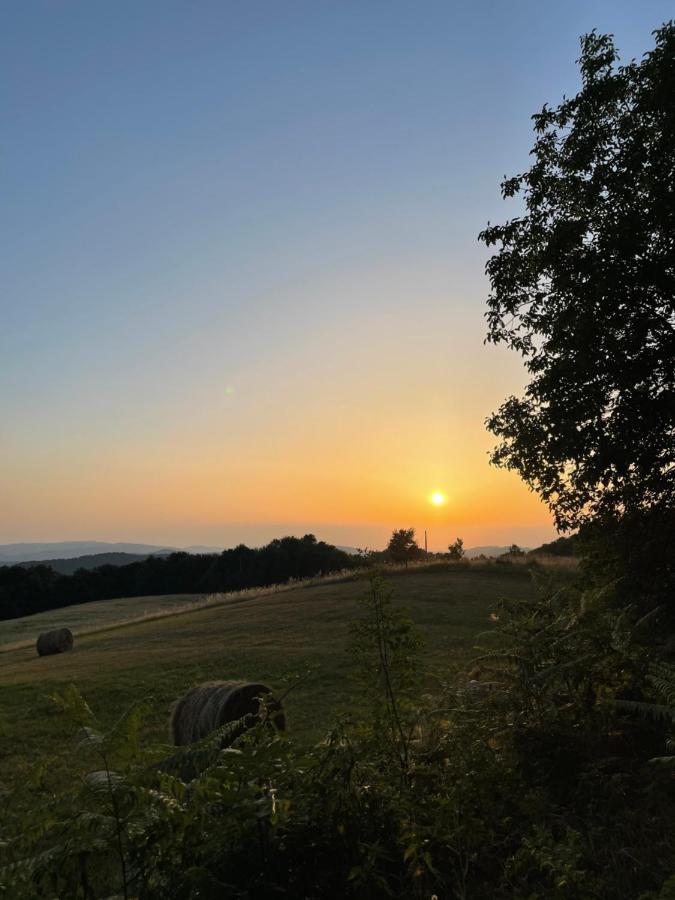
pixel 103 615
pixel 266 637
pixel 23 632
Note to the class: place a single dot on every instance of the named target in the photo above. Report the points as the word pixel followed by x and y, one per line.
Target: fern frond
pixel 103 781
pixel 650 617
pixel 657 711
pixel 507 656
pixel 662 677
pixel 90 738
pixel 543 674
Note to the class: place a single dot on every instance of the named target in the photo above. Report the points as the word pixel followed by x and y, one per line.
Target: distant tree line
pixel 24 591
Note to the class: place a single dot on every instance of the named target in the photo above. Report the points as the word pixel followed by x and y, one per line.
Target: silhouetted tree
pixel 29 589
pixel 583 286
pixel 456 550
pixel 403 547
pixel 562 546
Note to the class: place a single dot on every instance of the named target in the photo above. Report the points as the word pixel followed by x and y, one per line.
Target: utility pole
pixel 426 551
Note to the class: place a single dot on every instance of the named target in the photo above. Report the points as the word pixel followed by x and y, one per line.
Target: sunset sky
pixel 242 293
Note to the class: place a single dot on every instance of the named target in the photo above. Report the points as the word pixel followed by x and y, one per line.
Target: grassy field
pixel 89 616
pixel 266 638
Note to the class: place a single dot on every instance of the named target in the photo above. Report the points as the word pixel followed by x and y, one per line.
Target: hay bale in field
pixel 58 641
pixel 214 704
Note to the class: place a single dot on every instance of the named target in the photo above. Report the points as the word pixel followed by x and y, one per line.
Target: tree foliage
pixel 456 549
pixel 402 546
pixel 583 286
pixel 27 590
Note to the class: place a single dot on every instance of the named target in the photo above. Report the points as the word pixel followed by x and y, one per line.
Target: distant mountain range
pixel 68 556
pixel 62 550
pixel 91 561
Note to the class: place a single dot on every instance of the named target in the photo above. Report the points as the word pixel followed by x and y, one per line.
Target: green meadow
pixel 94 616
pixel 270 637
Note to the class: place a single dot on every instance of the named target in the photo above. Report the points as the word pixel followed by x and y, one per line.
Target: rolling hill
pixel 266 636
pixel 68 565
pixel 56 551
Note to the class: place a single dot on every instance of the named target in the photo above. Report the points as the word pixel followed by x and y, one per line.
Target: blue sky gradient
pixel 230 227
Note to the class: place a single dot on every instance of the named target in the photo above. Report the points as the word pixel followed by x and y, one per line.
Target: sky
pixel 242 293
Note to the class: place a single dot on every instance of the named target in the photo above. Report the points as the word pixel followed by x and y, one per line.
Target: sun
pixel 437 498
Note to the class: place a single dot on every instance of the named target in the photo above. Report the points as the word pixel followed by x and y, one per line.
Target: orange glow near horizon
pixel 289 442
pixel 262 312
pixel 348 486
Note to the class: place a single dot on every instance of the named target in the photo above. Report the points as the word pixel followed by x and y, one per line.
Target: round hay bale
pixel 213 704
pixel 58 641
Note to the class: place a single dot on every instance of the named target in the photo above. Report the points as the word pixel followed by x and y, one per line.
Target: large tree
pixel 583 286
pixel 403 547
